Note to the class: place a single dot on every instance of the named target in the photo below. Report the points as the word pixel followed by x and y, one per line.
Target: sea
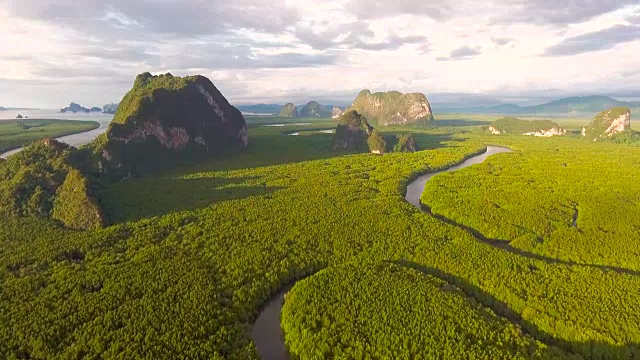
pixel 73 140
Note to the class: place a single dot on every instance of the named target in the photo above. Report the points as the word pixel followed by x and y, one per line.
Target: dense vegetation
pixel 406 143
pixel 509 125
pixel 314 110
pixel 597 129
pixel 74 204
pixel 352 132
pixel 391 311
pixel 394 108
pixel 377 143
pixel 289 111
pixel 194 253
pixel 15 134
pixel 167 120
pixel 569 200
pixel 45 180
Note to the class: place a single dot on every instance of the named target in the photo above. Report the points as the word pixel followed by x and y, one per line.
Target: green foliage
pixel 143 91
pixel 352 132
pixel 509 125
pixel 387 311
pixel 628 137
pixel 74 205
pixel 41 181
pixel 601 122
pixel 289 111
pixel 29 179
pixel 406 143
pixel 376 143
pixel 314 109
pixel 197 251
pixel 165 121
pixel 569 200
pixel 15 134
pixel 394 108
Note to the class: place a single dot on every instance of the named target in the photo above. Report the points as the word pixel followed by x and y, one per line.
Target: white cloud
pixel 57 51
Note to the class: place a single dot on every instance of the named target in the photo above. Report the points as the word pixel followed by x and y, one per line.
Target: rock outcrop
pixel 19 116
pixel 314 109
pixel 377 143
pixel 394 108
pixel 110 108
pixel 75 108
pixel 352 132
pixel 74 206
pixel 46 180
pixel 406 143
pixel 289 111
pixel 336 113
pixel 608 123
pixel 167 120
pixel 538 128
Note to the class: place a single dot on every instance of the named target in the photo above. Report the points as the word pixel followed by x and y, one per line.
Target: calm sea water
pixel 73 140
pixel 54 114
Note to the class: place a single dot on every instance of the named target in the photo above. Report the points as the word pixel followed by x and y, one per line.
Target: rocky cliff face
pixel 608 123
pixel 336 113
pixel 166 120
pixel 394 108
pixel 289 111
pixel 314 109
pixel 352 132
pixel 538 128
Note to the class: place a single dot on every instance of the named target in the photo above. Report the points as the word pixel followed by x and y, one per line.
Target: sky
pixel 457 52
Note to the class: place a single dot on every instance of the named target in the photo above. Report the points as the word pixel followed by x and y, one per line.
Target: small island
pixel 75 108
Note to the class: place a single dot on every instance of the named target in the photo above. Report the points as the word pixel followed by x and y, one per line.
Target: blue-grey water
pixel 73 140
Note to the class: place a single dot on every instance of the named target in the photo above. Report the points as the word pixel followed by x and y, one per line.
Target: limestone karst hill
pixel 165 120
pixel 608 123
pixel 394 108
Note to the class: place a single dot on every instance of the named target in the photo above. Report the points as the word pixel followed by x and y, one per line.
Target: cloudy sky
pixel 455 51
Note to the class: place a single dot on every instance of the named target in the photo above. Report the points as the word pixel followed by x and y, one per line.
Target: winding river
pixel 76 140
pixel 416 187
pixel 267 333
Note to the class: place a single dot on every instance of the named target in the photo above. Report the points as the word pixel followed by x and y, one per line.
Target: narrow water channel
pixel 267 333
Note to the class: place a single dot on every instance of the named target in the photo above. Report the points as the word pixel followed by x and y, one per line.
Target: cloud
pixel 302 49
pixel 502 41
pixel 559 12
pixel 354 35
pixel 462 53
pixel 366 9
pixel 635 18
pixel 595 41
pixel 183 18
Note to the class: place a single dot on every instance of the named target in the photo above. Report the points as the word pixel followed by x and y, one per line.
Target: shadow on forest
pixel 589 349
pixel 434 141
pixel 462 123
pixel 156 196
pixel 506 246
pixel 170 192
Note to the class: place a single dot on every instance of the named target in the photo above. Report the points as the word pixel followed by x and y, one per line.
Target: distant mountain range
pixel 271 109
pixel 2 109
pixel 274 109
pixel 579 105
